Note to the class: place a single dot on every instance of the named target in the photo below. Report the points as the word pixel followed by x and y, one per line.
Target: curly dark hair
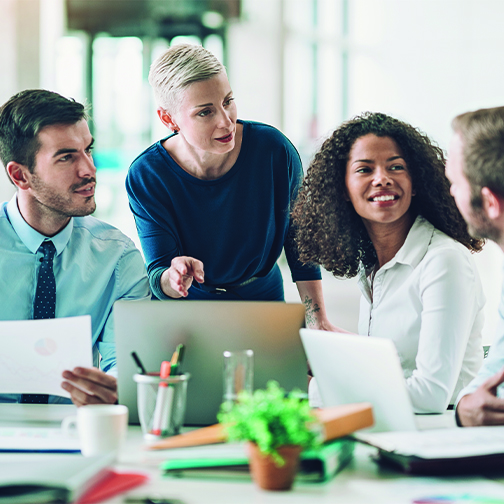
pixel 329 231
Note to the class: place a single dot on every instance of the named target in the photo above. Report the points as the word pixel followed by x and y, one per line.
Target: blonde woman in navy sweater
pixel 212 200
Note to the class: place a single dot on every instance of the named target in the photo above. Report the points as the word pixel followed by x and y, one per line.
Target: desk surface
pixel 361 482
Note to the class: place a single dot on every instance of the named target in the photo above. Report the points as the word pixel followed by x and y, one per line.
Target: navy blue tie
pixel 44 306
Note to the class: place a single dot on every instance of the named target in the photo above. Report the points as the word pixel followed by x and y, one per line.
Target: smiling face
pixel 63 181
pixel 377 181
pixel 206 116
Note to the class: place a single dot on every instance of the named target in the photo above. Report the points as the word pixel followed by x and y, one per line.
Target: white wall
pixel 8 82
pixel 19 57
pixel 426 60
pixel 255 61
pixel 8 54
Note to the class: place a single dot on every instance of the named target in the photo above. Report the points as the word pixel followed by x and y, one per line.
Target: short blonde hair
pixel 177 68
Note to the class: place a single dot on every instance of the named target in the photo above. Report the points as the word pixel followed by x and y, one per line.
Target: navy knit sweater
pixel 236 225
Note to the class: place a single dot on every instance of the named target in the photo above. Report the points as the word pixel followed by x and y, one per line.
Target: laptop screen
pixel 350 368
pixel 153 329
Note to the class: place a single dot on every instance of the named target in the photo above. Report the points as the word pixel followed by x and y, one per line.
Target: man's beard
pixel 63 204
pixel 480 226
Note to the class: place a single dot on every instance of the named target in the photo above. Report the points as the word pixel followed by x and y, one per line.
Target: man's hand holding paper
pixel 90 386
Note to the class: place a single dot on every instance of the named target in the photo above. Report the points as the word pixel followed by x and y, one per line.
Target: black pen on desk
pixel 151 500
pixel 138 362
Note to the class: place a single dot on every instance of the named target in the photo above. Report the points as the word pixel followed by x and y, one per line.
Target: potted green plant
pixel 277 426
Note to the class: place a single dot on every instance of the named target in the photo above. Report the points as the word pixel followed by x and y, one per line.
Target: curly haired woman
pixel 376 204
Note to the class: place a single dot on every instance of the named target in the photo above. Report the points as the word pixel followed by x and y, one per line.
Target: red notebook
pixel 112 484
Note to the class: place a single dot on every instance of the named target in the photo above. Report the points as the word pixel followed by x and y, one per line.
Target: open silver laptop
pixel 351 368
pixel 153 329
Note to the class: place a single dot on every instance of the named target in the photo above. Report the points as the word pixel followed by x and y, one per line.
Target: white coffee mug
pixel 101 427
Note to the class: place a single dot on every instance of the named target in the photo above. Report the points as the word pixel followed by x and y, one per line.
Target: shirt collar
pixel 412 252
pixel 413 249
pixel 32 238
pixel 416 244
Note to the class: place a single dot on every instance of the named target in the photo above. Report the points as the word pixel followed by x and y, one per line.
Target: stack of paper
pixel 441 451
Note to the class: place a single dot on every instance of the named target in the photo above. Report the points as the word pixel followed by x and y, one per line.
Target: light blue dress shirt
pixel 495 360
pixel 94 266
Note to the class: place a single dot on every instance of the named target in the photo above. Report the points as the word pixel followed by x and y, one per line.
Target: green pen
pixel 180 350
pixel 176 359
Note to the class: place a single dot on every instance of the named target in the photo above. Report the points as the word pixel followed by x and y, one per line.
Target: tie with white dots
pixel 45 295
pixel 45 302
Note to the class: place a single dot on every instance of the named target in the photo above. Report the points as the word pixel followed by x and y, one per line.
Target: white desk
pixel 362 482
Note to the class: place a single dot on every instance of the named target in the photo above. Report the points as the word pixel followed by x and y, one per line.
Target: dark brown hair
pixel 25 114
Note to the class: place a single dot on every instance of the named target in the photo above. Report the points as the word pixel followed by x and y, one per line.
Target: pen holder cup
pixel 161 404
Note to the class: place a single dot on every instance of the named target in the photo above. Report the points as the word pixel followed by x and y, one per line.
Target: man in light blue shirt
pixel 475 169
pixel 45 146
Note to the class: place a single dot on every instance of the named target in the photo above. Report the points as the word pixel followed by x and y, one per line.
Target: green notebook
pixel 229 461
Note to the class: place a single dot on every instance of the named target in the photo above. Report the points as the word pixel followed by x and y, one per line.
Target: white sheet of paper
pixel 37 439
pixel 36 352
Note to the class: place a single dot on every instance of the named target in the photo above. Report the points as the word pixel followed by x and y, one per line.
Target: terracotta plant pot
pixel 267 474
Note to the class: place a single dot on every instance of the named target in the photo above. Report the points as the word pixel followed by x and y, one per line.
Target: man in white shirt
pixel 475 169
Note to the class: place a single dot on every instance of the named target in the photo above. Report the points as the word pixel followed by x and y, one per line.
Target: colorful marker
pixel 159 412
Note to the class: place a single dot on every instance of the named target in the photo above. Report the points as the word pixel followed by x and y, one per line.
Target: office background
pixel 301 65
